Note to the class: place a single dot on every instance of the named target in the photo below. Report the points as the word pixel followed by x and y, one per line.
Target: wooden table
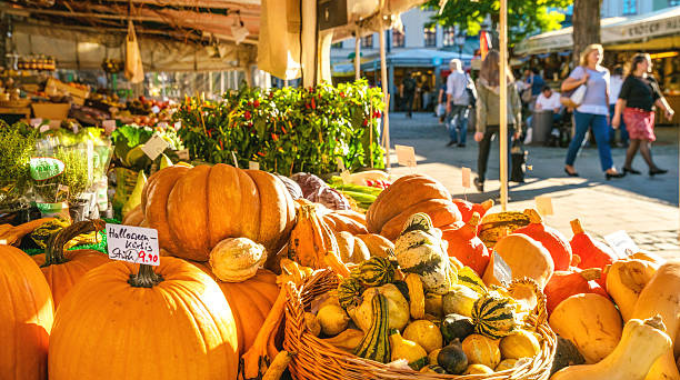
pixel 25 111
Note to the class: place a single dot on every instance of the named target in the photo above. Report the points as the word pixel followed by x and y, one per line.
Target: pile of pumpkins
pixel 426 311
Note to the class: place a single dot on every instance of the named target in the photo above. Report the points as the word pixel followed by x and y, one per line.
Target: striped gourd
pixel 495 226
pixel 349 293
pixel 468 277
pixel 494 316
pixel 376 271
pixel 376 342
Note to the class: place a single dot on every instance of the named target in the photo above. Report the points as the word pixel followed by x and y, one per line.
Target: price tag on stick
pixel 183 154
pixel 341 165
pixel 466 173
pixel 109 126
pixel 621 243
pixel 406 156
pixel 133 244
pixel 233 157
pixel 253 165
pixel 155 146
pixel 544 205
pixel 501 270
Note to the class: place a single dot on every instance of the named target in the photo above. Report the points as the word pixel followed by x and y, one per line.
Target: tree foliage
pixel 525 17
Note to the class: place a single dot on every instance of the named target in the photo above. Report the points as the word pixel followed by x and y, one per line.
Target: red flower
pixel 256 103
pixel 247 115
pixel 313 104
pixel 275 137
pixel 365 123
pixel 260 154
pixel 342 94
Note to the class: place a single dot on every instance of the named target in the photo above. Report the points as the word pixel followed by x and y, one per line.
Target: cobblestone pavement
pixel 647 208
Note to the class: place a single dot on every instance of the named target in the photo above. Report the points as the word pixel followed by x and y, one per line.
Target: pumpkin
pixel 406 196
pixel 494 316
pixel 625 281
pixel 419 250
pixel 376 271
pixel 564 284
pixel 642 343
pixel 416 294
pixel 175 311
pixel 236 259
pixel 525 257
pixel 377 245
pixel 63 269
pixel 349 293
pixel 593 253
pixel 466 246
pixel 660 296
pixel 591 322
pixel 376 345
pixel 456 326
pixel 425 333
pixel 506 364
pixel 459 300
pixel 25 317
pixel 347 340
pixel 408 350
pixel 10 235
pixel 481 350
pixel 467 208
pixel 397 313
pixel 250 302
pixel 477 369
pixel 519 344
pixel 195 209
pixel 553 240
pixel 333 319
pixel 497 225
pixel 312 243
pixel 134 217
pixel 351 249
pixel 453 359
pixel 340 220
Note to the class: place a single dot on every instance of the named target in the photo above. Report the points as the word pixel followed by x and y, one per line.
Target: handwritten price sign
pixel 133 244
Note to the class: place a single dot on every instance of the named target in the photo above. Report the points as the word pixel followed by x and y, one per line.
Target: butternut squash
pixel 591 322
pixel 625 281
pixel 662 296
pixel 642 343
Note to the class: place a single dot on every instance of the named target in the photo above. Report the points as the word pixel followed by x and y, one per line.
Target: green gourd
pixel 376 343
pixel 453 359
pixel 376 271
pixel 494 316
pixel 349 293
pixel 456 326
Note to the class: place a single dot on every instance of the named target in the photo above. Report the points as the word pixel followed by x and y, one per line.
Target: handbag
pixel 134 70
pixel 574 98
pixel 526 96
pixel 518 158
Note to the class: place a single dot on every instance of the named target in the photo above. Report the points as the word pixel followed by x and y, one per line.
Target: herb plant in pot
pixel 16 144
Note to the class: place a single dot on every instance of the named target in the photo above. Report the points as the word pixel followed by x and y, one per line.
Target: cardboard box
pixel 51 111
pixel 54 84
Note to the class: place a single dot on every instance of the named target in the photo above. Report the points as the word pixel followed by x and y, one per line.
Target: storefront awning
pixel 417 58
pixel 651 31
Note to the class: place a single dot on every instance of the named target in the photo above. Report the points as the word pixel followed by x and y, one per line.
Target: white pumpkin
pixel 236 260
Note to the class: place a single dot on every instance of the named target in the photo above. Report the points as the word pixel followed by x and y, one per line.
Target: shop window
pixel 449 36
pixel 337 45
pixel 673 3
pixel 430 36
pixel 367 42
pixel 398 39
pixel 629 7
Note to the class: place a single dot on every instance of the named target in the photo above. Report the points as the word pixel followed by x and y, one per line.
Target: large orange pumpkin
pixel 250 302
pixel 63 269
pixel 194 209
pixel 465 245
pixel 170 323
pixel 25 317
pixel 408 195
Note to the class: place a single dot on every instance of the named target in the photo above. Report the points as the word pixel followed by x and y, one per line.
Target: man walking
pixel 458 103
pixel 409 90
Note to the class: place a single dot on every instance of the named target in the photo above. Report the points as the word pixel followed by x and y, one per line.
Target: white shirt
pixel 456 84
pixel 550 103
pixel 615 83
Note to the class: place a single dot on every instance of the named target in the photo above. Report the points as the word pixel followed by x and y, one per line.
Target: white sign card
pixel 163 124
pixel 406 156
pixel 501 269
pixel 178 125
pixel 56 124
pixel 35 123
pixel 544 205
pixel 233 157
pixel 109 126
pixel 155 109
pixel 133 244
pixel 621 243
pixel 466 173
pixel 253 165
pixel 183 154
pixel 155 146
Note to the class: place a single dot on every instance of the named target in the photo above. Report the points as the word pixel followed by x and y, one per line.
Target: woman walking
pixel 593 111
pixel 488 112
pixel 639 93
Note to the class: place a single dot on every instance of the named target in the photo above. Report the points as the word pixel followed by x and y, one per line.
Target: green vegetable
pixel 16 145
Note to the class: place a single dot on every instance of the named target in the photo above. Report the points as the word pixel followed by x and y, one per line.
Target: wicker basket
pixel 318 360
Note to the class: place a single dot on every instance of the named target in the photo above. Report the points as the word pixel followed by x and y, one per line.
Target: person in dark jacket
pixel 409 86
pixel 640 92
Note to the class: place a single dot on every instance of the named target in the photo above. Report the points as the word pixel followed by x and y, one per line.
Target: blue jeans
pixel 459 123
pixel 600 130
pixel 622 128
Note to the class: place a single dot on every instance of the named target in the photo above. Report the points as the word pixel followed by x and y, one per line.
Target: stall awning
pixel 417 58
pixel 656 28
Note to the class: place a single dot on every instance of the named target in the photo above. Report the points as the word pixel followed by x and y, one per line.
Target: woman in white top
pixel 593 111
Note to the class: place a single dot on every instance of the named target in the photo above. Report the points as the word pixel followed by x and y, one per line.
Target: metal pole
pixel 385 89
pixel 357 54
pixel 504 103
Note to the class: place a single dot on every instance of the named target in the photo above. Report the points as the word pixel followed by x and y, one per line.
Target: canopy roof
pixel 651 31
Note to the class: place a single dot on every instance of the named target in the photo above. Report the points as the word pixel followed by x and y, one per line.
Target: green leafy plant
pixel 16 145
pixel 287 130
pixel 76 177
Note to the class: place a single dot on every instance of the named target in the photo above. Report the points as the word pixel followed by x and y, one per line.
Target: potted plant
pixel 16 145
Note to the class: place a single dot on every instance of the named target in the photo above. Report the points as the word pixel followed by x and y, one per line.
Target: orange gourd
pixel 134 217
pixel 341 221
pixel 250 302
pixel 170 322
pixel 525 257
pixel 194 209
pixel 593 253
pixel 63 269
pixel 466 246
pixel 552 239
pixel 377 245
pixel 408 195
pixel 564 284
pixel 25 317
pixel 468 208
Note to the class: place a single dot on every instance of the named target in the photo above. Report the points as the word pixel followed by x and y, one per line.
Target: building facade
pixel 623 8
